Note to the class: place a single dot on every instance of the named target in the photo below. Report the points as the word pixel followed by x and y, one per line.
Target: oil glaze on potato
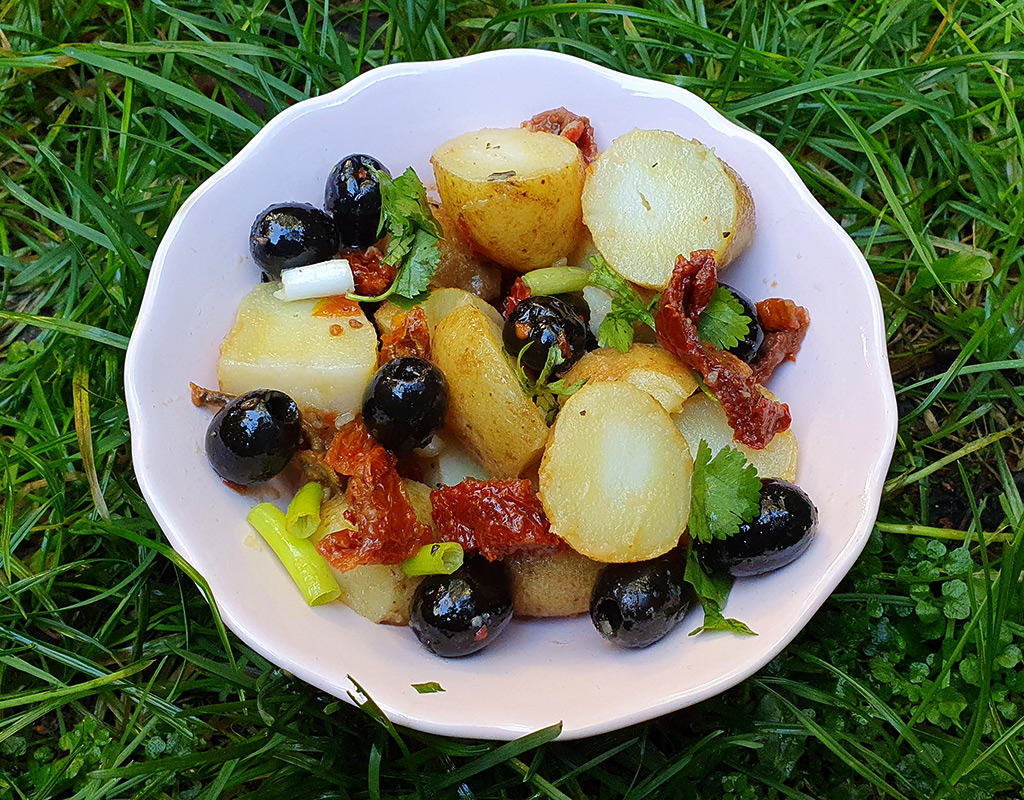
pixel 486 406
pixel 652 196
pixel 514 193
pixel 615 477
pixel 703 417
pixel 436 307
pixel 646 366
pixel 555 584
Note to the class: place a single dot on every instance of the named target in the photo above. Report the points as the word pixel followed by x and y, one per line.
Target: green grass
pixel 117 679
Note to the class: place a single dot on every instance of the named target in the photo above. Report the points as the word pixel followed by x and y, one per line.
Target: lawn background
pixel 117 679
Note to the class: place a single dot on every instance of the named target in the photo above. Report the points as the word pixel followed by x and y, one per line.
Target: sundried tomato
pixel 372 277
pixel 562 122
pixel 784 324
pixel 755 419
pixel 409 336
pixel 517 294
pixel 386 528
pixel 496 518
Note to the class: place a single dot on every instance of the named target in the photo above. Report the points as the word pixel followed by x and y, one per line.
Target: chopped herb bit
pixel 439 558
pixel 725 492
pixel 616 330
pixel 723 323
pixel 433 687
pixel 545 394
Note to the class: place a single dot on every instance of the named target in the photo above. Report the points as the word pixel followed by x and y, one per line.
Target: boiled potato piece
pixel 646 366
pixel 514 193
pixel 615 477
pixel 486 406
pixel 703 417
pixel 652 196
pixel 381 593
pixel 555 584
pixel 321 361
pixel 453 464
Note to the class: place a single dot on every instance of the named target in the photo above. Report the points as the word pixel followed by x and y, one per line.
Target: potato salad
pixel 524 392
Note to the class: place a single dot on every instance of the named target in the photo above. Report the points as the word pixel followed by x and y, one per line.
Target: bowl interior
pixel 540 672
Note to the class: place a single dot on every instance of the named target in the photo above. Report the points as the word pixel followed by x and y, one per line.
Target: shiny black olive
pixel 405 402
pixel 748 348
pixel 635 605
pixel 352 197
pixel 458 614
pixel 292 235
pixel 254 436
pixel 543 322
pixel 782 531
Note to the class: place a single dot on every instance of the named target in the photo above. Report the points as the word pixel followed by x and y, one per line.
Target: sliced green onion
pixel 556 280
pixel 440 558
pixel 303 515
pixel 306 566
pixel 324 279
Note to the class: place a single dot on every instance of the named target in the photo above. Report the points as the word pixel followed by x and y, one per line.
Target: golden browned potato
pixel 555 584
pixel 703 417
pixel 460 267
pixel 514 193
pixel 486 406
pixel 437 305
pixel 615 477
pixel 646 366
pixel 381 593
pixel 652 196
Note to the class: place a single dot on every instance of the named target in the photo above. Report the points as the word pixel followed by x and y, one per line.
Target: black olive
pixel 782 531
pixel 635 605
pixel 292 235
pixel 544 322
pixel 254 436
pixel 749 346
pixel 405 402
pixel 352 197
pixel 458 614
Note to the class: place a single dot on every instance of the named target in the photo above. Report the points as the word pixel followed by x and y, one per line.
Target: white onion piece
pixel 316 280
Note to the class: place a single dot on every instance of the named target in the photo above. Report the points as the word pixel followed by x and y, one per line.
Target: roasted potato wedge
pixel 514 193
pixel 615 477
pixel 652 196
pixel 437 305
pixel 555 584
pixel 703 417
pixel 646 366
pixel 486 406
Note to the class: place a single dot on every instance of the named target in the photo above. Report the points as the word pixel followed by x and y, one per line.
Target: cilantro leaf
pixel 712 592
pixel 616 329
pixel 414 234
pixel 725 492
pixel 723 323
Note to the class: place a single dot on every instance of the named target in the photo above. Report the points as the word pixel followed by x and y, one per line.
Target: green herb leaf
pixel 725 492
pixel 545 394
pixel 433 687
pixel 412 248
pixel 616 330
pixel 712 591
pixel 723 323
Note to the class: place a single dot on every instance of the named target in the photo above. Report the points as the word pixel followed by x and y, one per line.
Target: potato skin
pixel 486 406
pixel 555 584
pixel 521 209
pixel 646 366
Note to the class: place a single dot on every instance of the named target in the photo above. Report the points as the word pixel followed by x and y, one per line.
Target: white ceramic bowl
pixel 539 672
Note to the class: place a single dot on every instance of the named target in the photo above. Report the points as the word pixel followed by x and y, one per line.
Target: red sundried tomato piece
pixel 371 276
pixel 496 518
pixel 755 419
pixel 409 336
pixel 386 528
pixel 517 294
pixel 784 324
pixel 563 122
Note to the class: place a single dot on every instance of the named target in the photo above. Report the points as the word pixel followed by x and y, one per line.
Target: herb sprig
pixel 543 393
